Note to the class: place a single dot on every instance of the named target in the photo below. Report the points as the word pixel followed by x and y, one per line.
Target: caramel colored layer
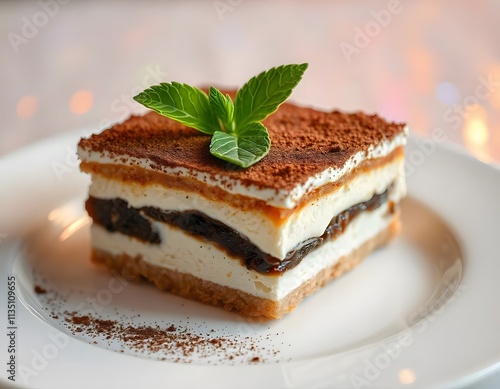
pixel 141 176
pixel 194 288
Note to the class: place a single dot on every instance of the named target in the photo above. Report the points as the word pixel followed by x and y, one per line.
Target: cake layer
pixel 310 149
pixel 232 299
pixel 275 239
pixel 184 253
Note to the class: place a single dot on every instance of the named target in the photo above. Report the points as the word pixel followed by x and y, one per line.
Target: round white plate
pixel 421 312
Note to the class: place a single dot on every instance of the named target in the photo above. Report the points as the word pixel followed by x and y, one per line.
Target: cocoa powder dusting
pixel 182 342
pixel 304 142
pixel 177 343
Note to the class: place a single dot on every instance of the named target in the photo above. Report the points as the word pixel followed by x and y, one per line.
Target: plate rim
pixel 446 148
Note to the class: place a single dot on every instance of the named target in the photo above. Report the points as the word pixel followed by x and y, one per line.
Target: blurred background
pixel 70 64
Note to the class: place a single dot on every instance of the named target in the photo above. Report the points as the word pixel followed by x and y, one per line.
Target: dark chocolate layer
pixel 116 216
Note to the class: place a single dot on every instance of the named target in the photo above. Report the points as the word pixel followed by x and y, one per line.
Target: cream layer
pixel 182 252
pixel 307 222
pixel 277 198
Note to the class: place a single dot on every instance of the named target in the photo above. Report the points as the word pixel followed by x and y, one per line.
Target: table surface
pixel 436 65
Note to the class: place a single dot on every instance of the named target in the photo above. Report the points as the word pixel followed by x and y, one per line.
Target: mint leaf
pixel 181 102
pixel 237 134
pixel 263 94
pixel 222 107
pixel 250 145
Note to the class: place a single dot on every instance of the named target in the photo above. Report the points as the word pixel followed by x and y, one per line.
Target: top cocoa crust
pixel 304 142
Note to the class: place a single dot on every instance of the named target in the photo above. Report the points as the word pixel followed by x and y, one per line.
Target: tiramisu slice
pixel 258 240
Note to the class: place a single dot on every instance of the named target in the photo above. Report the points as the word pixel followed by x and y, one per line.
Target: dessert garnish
pixel 238 135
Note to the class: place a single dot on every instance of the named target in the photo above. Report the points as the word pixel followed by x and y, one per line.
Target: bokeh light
pixel 447 93
pixel 475 131
pixel 407 376
pixel 27 106
pixel 81 102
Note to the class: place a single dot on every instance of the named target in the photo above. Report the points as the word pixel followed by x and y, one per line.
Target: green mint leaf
pixel 243 139
pixel 222 107
pixel 181 102
pixel 245 148
pixel 263 94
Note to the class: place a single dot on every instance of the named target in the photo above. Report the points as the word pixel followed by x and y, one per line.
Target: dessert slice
pixel 258 240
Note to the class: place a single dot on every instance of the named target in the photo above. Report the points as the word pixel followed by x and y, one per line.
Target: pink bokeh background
pixel 70 64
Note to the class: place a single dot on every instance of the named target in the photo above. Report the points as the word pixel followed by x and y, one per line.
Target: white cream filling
pixel 183 253
pixel 307 222
pixel 281 198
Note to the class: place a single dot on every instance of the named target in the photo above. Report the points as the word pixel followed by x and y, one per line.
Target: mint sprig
pixel 181 102
pixel 238 136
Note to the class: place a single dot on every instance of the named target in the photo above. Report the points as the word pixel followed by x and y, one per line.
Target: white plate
pixel 406 316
